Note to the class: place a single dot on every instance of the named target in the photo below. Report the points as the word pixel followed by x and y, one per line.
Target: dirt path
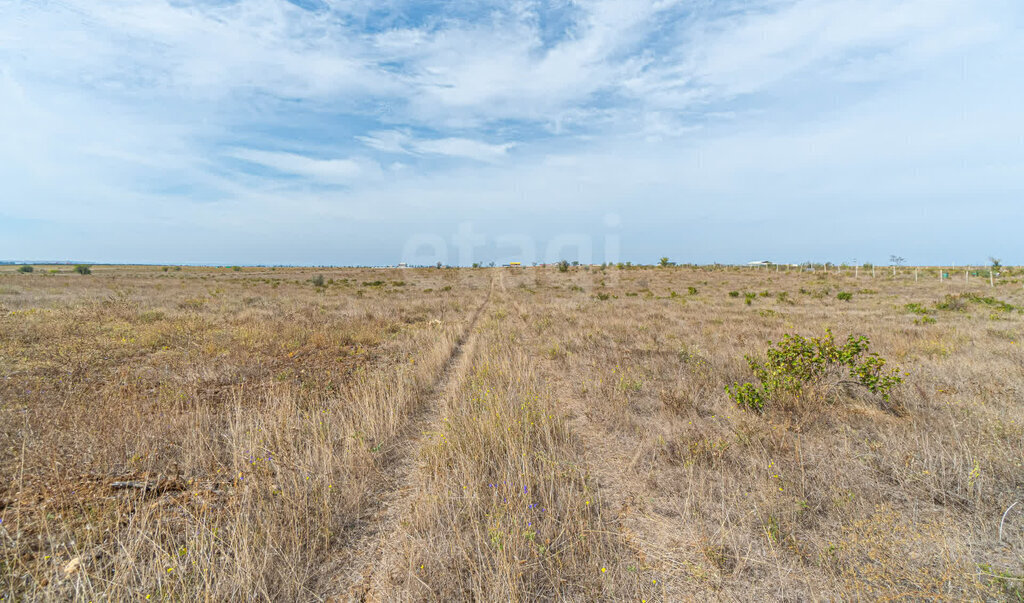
pixel 357 577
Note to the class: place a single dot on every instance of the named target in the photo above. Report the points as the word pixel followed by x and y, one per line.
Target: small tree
pixel 563 266
pixel 996 263
pixel 25 269
pixel 83 269
pixel 664 262
pixel 896 260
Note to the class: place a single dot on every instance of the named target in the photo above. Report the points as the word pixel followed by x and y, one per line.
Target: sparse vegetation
pixel 499 435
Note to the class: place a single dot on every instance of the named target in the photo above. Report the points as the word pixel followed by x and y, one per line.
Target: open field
pixel 502 434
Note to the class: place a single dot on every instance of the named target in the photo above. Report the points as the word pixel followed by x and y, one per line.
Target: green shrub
pixel 747 396
pixel 748 298
pixel 603 296
pixel 83 269
pixel 998 304
pixel 26 269
pixel 692 290
pixel 563 266
pixel 916 309
pixel 844 296
pixel 236 268
pixel 318 280
pixel 734 294
pixel 796 362
pixel 953 303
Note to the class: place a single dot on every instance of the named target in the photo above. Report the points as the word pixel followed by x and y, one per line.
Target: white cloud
pixel 395 141
pixel 463 147
pixel 335 171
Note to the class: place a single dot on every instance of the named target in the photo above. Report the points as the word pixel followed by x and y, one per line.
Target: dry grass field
pixel 502 434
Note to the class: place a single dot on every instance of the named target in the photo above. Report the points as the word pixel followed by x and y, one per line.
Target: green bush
pixel 959 303
pixel 692 290
pixel 953 303
pixel 796 362
pixel 844 296
pixel 990 301
pixel 318 280
pixel 749 297
pixel 26 269
pixel 734 294
pixel 83 269
pixel 916 309
pixel 563 266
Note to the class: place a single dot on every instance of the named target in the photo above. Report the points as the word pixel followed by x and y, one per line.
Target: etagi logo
pixel 427 249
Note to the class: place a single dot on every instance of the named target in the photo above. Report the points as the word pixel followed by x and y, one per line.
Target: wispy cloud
pixel 148 112
pixel 338 171
pixel 395 141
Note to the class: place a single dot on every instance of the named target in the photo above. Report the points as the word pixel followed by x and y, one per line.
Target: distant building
pixel 402 265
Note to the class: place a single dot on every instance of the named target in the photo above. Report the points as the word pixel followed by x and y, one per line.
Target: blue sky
pixel 372 131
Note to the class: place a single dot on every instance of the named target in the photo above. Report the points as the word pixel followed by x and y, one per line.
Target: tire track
pixel 357 577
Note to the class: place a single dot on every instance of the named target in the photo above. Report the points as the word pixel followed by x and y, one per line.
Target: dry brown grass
pixel 220 434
